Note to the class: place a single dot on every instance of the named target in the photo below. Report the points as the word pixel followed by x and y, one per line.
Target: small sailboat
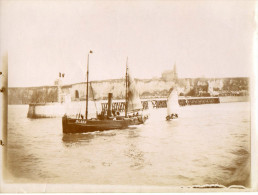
pixel 172 105
pixel 108 121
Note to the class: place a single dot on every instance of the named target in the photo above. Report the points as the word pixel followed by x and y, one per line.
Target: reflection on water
pixel 69 139
pixel 136 156
pixel 208 144
pixel 133 134
pixel 83 138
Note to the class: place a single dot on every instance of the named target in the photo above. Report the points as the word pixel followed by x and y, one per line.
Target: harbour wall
pixel 227 99
pixel 48 110
pixel 51 110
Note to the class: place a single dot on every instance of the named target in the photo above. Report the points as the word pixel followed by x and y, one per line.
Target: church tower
pixel 175 72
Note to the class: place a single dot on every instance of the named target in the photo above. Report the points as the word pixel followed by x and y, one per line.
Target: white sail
pixel 134 102
pixel 172 103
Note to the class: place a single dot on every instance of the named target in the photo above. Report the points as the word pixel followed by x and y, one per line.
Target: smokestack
pixel 110 96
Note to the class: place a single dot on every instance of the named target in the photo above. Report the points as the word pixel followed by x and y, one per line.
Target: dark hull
pixel 71 125
pixel 138 120
pixel 84 126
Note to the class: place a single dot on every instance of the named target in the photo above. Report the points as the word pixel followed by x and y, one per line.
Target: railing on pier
pixel 120 106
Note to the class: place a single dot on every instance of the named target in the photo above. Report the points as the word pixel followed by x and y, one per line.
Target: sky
pixel 204 38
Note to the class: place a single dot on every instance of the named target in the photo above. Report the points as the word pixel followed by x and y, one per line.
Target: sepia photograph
pixel 128 96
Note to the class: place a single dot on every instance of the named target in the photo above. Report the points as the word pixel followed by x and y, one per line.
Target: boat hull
pixel 71 125
pixel 84 126
pixel 138 120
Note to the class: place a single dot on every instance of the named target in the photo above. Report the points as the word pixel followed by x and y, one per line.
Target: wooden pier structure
pixel 162 103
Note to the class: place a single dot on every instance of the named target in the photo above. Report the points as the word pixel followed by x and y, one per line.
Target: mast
pixel 87 87
pixel 126 88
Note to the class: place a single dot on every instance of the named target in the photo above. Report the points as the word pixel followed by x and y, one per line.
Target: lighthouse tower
pixel 59 83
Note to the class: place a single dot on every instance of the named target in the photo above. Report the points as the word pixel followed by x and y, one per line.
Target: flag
pixel 59 74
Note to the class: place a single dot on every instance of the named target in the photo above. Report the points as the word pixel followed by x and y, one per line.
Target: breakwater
pixel 228 99
pixel 46 110
pixel 49 110
pixel 52 110
pixel 162 103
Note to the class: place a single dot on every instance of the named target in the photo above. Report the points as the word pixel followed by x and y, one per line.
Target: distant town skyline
pixel 204 39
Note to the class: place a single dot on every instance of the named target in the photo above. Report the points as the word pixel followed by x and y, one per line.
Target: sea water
pixel 207 144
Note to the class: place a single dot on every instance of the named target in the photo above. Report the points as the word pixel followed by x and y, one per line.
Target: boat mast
pixel 87 87
pixel 126 88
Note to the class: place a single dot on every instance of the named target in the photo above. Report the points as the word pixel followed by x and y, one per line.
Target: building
pixel 170 75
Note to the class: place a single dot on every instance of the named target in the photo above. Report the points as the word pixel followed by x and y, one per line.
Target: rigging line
pixel 79 108
pixel 93 98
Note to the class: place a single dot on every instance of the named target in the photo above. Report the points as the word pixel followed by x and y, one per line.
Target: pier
pixel 49 110
pixel 162 103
